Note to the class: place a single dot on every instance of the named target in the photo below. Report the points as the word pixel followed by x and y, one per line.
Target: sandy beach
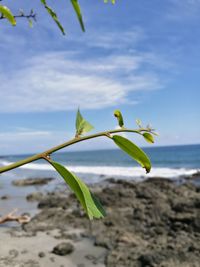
pixel 152 223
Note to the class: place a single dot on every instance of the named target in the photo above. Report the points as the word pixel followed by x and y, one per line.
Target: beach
pixel 151 220
pixel 151 223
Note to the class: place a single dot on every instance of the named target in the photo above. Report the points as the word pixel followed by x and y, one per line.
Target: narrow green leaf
pixel 77 9
pixel 79 119
pixel 81 191
pixel 82 126
pixel 119 117
pixel 8 14
pixel 139 123
pixel 112 1
pixel 134 151
pixel 30 23
pixel 53 15
pixel 148 137
pixel 98 204
pixel 154 133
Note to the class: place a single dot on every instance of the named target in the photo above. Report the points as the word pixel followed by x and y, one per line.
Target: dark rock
pixel 36 196
pixel 63 248
pixel 41 254
pixel 32 181
pixel 147 260
pixel 5 197
pixel 53 202
pixel 152 223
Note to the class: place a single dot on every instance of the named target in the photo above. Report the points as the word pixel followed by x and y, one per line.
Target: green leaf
pixel 77 9
pixel 81 191
pixel 148 137
pixel 82 126
pixel 119 117
pixel 133 151
pixel 98 204
pixel 30 23
pixel 139 123
pixel 112 1
pixel 7 14
pixel 53 15
pixel 154 133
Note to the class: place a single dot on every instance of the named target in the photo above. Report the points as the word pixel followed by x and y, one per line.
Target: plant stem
pixel 29 16
pixel 48 152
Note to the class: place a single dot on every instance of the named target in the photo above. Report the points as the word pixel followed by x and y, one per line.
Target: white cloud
pixel 58 81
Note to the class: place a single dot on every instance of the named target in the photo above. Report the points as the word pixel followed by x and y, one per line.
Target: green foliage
pixel 139 123
pixel 89 202
pixel 6 13
pixel 133 151
pixel 119 117
pixel 53 15
pixel 98 204
pixel 148 137
pixel 77 9
pixel 82 126
pixel 30 23
pixel 91 205
pixel 112 1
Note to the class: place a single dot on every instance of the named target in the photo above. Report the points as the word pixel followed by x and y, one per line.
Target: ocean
pixel 169 162
pixel 95 166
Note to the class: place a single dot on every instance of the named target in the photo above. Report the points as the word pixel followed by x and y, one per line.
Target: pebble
pixel 63 248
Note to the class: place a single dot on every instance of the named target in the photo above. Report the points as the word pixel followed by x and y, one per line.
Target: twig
pixel 11 217
pixel 31 15
pixel 68 143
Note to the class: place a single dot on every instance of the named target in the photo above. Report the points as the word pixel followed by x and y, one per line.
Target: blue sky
pixel 138 56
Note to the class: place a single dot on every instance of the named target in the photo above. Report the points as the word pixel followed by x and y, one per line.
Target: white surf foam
pixel 115 171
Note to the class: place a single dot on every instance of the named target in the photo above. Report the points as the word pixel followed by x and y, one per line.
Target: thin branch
pixel 31 15
pixel 11 217
pixel 66 144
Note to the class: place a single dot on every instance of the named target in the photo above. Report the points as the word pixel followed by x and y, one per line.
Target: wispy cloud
pixel 25 138
pixel 23 134
pixel 185 9
pixel 114 39
pixel 35 141
pixel 56 81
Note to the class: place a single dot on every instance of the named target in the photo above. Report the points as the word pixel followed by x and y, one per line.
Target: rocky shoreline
pixel 151 223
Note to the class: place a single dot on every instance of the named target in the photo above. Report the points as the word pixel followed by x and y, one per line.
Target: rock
pixel 4 197
pixel 32 181
pixel 151 223
pixel 53 202
pixel 63 248
pixel 149 260
pixel 41 254
pixel 36 196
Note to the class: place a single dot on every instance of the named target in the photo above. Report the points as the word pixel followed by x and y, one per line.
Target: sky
pixel 142 57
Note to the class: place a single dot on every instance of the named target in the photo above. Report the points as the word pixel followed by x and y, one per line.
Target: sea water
pixel 94 166
pixel 167 162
